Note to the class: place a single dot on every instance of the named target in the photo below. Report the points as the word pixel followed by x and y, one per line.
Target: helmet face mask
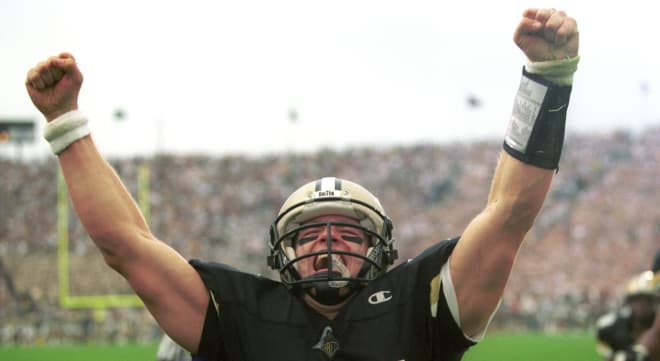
pixel 325 197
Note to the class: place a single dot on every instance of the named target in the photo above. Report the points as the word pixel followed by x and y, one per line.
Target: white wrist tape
pixel 66 129
pixel 559 72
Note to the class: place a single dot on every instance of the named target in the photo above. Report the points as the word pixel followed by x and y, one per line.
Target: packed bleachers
pixel 600 224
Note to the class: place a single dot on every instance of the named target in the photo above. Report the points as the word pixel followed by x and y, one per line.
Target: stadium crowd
pixel 599 226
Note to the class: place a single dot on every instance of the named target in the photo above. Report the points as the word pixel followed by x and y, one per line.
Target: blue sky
pixel 222 77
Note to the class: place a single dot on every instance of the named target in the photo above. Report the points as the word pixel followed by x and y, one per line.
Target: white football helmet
pixel 331 196
pixel 641 285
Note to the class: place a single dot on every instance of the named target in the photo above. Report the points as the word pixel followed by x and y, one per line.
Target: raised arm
pixel 170 288
pixel 483 258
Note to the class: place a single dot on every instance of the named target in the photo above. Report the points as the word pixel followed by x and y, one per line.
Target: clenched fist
pixel 54 84
pixel 547 34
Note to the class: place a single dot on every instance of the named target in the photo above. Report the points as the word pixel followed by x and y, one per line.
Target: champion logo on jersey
pixel 380 297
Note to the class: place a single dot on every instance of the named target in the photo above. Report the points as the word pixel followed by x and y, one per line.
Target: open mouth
pixel 322 262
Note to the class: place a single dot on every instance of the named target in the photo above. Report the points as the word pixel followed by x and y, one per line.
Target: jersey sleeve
pixel 437 300
pixel 219 282
pixel 449 292
pixel 229 290
pixel 613 331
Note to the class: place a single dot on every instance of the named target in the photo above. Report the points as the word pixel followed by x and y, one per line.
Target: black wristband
pixel 535 134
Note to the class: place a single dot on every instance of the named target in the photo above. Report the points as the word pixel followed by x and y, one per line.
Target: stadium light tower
pixel 293 122
pixel 17 132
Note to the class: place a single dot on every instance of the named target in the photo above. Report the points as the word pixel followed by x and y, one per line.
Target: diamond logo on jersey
pixel 328 343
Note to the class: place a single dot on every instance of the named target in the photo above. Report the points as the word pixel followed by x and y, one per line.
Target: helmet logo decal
pixel 380 297
pixel 321 194
pixel 327 187
pixel 328 343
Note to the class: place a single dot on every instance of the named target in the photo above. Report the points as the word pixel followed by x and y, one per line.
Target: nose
pixel 331 233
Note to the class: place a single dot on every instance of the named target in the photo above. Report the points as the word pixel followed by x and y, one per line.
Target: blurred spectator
pixel 168 350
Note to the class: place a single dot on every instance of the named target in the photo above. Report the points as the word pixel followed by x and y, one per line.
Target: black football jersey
pixel 614 329
pixel 255 318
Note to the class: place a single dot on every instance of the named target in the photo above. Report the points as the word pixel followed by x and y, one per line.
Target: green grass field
pixel 80 353
pixel 496 347
pixel 534 347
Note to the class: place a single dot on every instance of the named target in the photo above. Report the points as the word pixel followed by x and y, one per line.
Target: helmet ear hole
pixel 274 262
pixel 391 256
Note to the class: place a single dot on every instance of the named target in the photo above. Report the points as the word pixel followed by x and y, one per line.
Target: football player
pixel 647 346
pixel 332 240
pixel 618 331
pixel 632 333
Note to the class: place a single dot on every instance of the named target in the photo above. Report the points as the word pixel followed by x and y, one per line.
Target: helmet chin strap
pixel 328 292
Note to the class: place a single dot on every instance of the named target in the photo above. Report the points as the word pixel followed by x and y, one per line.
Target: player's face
pixel 343 238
